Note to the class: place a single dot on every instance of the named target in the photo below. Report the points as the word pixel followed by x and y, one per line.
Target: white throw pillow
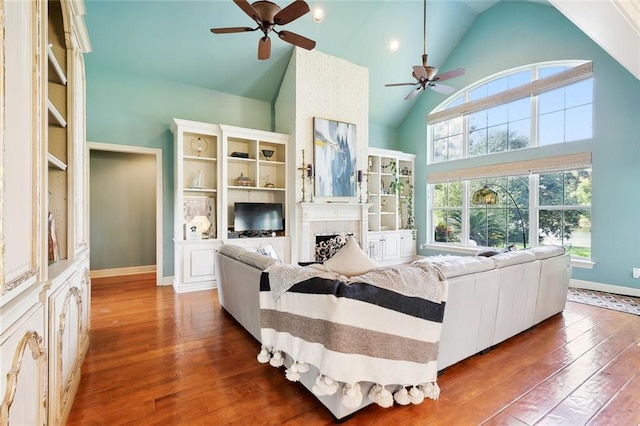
pixel 267 250
pixel 350 260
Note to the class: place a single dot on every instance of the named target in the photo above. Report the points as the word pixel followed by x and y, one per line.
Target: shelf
pixel 240 160
pixel 55 116
pixel 55 65
pixel 195 158
pixel 208 190
pixel 272 162
pixel 55 163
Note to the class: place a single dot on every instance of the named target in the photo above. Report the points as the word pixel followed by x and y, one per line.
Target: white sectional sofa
pixel 489 299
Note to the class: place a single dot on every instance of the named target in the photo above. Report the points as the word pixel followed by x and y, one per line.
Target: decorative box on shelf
pixel 243 180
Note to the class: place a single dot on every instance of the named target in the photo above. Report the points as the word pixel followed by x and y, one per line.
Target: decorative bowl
pixel 268 153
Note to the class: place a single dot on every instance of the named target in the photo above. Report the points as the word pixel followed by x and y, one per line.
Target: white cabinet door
pixel 390 246
pixel 66 330
pixel 199 264
pixel 407 244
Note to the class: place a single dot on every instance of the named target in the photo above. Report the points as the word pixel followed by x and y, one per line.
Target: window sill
pixel 582 263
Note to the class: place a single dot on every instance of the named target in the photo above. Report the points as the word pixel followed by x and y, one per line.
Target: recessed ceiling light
pixel 394 45
pixel 318 15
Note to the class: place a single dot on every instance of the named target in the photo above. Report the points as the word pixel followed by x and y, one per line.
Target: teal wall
pixel 381 136
pixel 130 110
pixel 512 34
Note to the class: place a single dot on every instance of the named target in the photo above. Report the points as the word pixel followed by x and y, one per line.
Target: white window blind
pixel 538 165
pixel 536 87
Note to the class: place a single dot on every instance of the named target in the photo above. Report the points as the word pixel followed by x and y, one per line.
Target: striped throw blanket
pixel 381 327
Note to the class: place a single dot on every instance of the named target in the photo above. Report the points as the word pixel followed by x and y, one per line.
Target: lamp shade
pixel 485 196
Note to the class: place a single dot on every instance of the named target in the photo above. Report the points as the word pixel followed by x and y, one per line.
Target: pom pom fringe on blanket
pixel 352 392
pixel 383 329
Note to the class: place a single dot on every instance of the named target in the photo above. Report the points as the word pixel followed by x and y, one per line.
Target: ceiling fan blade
pixel 413 93
pixel 232 30
pixel 291 12
pixel 248 9
pixel 450 74
pixel 297 39
pixel 399 84
pixel 442 88
pixel 264 48
pixel 419 72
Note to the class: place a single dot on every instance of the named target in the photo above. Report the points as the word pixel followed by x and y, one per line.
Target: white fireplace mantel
pixel 335 217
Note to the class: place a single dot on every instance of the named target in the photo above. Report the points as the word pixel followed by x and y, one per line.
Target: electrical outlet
pixel 636 272
pixel 423 246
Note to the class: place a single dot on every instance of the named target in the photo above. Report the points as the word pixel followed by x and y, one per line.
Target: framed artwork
pixel 199 212
pixel 334 156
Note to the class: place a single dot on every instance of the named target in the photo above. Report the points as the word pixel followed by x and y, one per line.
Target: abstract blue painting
pixel 334 155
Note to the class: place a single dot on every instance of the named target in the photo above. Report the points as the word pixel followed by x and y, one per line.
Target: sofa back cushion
pixel 512 258
pixel 454 266
pixel 545 252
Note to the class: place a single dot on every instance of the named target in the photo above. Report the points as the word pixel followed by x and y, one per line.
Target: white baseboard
pixel 166 281
pixel 131 270
pixel 607 288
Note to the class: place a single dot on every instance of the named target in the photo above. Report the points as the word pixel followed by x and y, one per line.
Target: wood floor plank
pixel 160 358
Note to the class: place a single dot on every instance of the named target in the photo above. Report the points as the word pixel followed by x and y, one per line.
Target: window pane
pixel 457 101
pixel 551 101
pixel 579 93
pixel 455 147
pixel 550 226
pixel 571 181
pixel 478 120
pixel 447 226
pixel 497 139
pixel 439 150
pixel 440 195
pixel 440 130
pixel 550 189
pixel 478 93
pixel 455 194
pixel 579 240
pixel 478 142
pixel 520 78
pixel 551 128
pixel 498 85
pixel 519 132
pixel 519 109
pixel 497 115
pixel 579 123
pixel 455 126
pixel 547 71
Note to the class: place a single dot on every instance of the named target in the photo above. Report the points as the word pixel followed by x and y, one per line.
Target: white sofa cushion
pixel 350 260
pixel 232 251
pixel 258 260
pixel 545 252
pixel 454 266
pixel 509 258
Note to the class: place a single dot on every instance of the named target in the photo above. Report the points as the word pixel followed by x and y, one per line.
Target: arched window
pixel 545 200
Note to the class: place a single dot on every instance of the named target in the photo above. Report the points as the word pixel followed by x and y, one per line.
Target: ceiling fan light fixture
pixel 431 72
pixel 394 45
pixel 318 15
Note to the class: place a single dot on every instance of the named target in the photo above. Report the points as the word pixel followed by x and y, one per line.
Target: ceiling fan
pixel 427 76
pixel 267 15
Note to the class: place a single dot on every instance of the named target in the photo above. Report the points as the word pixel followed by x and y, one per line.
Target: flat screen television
pixel 257 217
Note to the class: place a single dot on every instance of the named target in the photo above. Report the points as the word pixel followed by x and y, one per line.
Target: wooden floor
pixel 158 358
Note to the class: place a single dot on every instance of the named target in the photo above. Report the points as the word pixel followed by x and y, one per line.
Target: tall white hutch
pixel 215 166
pixel 44 279
pixel 390 183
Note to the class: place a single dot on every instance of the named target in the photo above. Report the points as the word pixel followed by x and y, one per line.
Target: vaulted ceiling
pixel 171 40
